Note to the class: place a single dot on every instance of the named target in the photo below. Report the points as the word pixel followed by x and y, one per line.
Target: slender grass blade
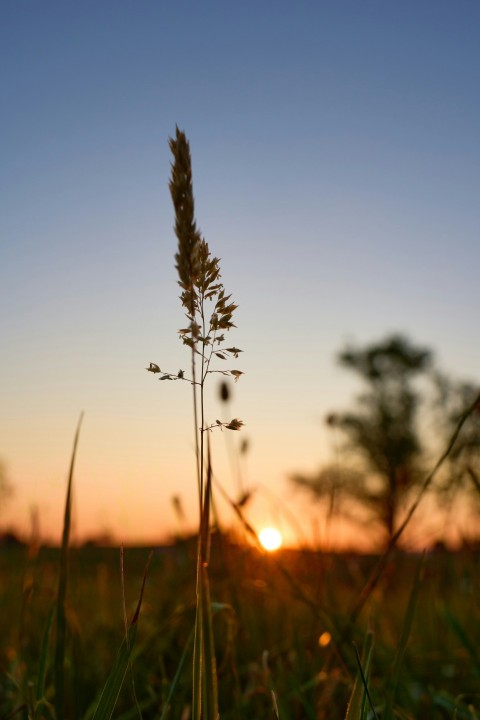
pixel 43 663
pixel 62 587
pixel 113 685
pixel 356 705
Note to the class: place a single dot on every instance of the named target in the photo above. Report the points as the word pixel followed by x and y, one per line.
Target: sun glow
pixel 270 538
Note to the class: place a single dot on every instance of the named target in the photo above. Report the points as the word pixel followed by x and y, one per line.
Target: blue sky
pixel 336 171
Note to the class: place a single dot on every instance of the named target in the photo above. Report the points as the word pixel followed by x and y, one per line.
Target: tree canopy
pixel 383 447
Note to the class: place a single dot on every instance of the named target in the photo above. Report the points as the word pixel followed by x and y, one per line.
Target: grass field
pixel 208 628
pixel 282 635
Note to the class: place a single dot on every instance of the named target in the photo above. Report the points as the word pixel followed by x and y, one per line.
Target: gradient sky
pixel 336 162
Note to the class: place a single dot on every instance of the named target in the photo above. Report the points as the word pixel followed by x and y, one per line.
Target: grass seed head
pixel 190 244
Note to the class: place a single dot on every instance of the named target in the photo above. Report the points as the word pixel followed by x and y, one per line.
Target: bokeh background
pixel 336 171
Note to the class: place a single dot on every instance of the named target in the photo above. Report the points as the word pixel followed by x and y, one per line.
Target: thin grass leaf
pixel 115 680
pixel 124 607
pixel 365 687
pixel 42 667
pixel 356 705
pixel 402 645
pixel 176 678
pixel 113 685
pixel 62 587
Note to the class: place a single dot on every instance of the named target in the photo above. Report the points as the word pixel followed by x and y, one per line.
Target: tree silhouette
pixel 381 431
pixel 463 470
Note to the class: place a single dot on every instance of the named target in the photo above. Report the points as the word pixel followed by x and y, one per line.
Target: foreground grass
pixel 269 614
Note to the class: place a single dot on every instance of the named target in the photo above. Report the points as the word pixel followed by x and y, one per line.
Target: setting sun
pixel 271 538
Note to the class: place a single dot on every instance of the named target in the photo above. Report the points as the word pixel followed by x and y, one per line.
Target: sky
pixel 336 167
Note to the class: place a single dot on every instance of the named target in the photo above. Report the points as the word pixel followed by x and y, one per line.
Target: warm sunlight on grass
pixel 271 538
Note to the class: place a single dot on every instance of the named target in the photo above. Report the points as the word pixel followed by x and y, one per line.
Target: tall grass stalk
pixel 209 313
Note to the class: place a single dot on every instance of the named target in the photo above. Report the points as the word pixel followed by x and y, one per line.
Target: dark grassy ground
pixel 270 615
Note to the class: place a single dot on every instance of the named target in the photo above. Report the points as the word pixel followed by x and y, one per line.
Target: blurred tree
pixel 463 470
pixel 381 431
